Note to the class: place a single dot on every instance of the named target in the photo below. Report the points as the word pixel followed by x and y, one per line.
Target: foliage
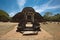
pixel 49 17
pixel 4 16
pixel 57 17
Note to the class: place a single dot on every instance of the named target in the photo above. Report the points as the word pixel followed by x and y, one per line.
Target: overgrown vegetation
pixel 4 16
pixel 49 17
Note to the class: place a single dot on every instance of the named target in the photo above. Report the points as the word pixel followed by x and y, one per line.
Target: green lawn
pixel 6 27
pixel 53 29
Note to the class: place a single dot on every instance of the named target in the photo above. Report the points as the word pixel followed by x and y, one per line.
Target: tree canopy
pixel 49 17
pixel 4 16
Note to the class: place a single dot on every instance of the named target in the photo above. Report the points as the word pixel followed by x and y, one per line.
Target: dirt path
pixel 13 35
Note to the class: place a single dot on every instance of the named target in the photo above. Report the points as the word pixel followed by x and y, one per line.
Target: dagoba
pixel 28 20
pixel 25 15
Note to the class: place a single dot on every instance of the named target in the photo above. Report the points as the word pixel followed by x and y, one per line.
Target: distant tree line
pixel 48 16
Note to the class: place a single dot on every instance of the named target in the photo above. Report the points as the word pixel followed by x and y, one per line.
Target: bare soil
pixel 49 31
pixel 6 27
pixel 53 28
pixel 13 35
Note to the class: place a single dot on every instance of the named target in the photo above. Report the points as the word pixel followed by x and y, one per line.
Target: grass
pixel 53 29
pixel 6 27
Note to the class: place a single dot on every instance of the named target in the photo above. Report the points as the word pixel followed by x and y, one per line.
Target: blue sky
pixel 14 6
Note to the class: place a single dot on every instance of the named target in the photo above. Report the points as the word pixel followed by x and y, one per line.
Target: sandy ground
pixel 13 35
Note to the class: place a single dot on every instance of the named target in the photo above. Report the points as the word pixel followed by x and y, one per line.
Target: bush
pixel 4 16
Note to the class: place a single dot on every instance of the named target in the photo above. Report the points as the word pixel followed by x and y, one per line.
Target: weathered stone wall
pixel 27 11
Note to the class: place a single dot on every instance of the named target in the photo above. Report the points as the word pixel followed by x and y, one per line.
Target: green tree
pixel 48 16
pixel 57 17
pixel 4 16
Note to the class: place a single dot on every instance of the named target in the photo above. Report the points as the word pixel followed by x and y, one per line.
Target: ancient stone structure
pixel 28 20
pixel 24 15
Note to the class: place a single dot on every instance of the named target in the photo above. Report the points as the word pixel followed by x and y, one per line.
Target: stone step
pixel 28 29
pixel 30 32
pixel 29 25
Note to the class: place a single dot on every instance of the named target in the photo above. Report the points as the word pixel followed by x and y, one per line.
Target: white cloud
pixel 40 9
pixel 12 13
pixel 21 3
pixel 44 7
pixel 54 7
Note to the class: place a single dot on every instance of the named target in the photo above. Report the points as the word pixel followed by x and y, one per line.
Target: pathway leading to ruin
pixel 13 35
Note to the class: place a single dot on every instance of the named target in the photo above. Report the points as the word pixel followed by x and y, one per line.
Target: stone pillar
pixel 32 17
pixel 25 16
